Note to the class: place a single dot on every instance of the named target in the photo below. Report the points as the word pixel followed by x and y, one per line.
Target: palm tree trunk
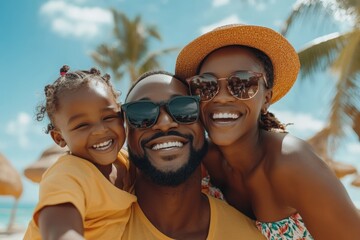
pixel 356 124
pixel 132 73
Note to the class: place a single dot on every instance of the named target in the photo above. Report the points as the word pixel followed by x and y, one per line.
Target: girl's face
pixel 87 121
pixel 226 118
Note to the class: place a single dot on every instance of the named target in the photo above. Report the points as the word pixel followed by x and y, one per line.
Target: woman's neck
pixel 246 153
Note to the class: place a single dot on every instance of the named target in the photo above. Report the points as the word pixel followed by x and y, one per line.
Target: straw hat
pixel 283 56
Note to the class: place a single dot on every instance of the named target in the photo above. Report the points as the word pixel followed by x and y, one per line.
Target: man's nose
pixel 164 121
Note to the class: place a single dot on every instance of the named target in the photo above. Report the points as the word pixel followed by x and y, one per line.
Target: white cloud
pixel 218 3
pixel 257 5
pixel 353 148
pixel 21 129
pixel 302 123
pixel 68 19
pixel 229 20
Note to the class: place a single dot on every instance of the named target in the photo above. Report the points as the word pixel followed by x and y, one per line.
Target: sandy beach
pixel 14 236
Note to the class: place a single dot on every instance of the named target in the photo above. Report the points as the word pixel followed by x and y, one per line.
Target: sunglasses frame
pixel 158 105
pixel 260 75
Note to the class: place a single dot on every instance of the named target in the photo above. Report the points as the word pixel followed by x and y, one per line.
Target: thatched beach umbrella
pixel 319 143
pixel 10 185
pixel 341 169
pixel 10 180
pixel 356 181
pixel 35 171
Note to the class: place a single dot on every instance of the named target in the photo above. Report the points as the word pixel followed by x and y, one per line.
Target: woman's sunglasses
pixel 242 85
pixel 145 113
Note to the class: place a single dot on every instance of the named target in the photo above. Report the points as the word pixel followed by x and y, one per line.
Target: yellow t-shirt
pixel 225 223
pixel 104 208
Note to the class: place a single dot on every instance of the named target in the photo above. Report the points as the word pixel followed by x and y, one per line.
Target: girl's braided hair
pixel 67 82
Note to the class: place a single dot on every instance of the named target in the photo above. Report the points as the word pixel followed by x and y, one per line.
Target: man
pixel 166 143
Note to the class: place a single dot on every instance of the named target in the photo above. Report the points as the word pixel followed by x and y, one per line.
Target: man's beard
pixel 170 178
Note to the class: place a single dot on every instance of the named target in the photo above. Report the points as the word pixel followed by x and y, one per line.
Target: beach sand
pixel 14 236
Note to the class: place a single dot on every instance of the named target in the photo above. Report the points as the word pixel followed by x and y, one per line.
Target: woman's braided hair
pixel 267 121
pixel 68 82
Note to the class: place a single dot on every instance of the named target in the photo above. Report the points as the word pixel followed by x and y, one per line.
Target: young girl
pixel 85 194
pixel 264 172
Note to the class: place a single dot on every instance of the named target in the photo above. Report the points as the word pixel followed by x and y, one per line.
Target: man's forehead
pixel 157 87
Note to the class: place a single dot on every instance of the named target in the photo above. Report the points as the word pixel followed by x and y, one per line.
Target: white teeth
pixel 225 115
pixel 167 145
pixel 103 146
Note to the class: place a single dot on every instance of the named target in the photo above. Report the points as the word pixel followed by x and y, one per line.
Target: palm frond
pixel 129 54
pixel 347 88
pixel 320 53
pixel 151 60
pixel 349 4
pixel 341 52
pixel 303 9
pixel 152 31
pixel 356 124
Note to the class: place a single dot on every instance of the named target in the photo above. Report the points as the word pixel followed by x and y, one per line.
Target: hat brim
pixel 283 56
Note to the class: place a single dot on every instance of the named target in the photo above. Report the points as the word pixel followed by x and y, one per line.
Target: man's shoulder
pixel 228 222
pixel 223 209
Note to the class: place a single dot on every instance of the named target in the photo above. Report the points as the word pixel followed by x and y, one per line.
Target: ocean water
pixel 23 214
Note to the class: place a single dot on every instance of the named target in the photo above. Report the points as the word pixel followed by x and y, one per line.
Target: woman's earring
pixel 264 111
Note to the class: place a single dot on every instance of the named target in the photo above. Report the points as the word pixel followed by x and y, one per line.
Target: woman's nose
pixel 223 94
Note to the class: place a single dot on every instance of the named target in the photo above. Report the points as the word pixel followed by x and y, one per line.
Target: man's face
pixel 168 151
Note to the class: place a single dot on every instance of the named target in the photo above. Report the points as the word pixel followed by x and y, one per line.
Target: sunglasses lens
pixel 142 114
pixel 243 85
pixel 184 109
pixel 205 86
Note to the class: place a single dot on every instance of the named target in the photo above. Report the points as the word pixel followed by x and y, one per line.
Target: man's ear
pixel 57 137
pixel 268 97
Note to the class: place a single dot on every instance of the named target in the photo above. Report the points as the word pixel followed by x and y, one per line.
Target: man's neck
pixel 180 212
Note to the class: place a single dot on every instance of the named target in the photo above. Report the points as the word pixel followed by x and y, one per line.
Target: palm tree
pixel 341 53
pixel 130 53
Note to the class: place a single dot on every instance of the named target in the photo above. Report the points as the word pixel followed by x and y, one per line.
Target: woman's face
pixel 226 118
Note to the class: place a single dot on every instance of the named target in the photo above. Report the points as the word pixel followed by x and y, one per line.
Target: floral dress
pixel 292 227
pixel 209 189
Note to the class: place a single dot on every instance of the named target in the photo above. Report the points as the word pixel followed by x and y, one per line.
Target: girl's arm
pixel 61 222
pixel 304 182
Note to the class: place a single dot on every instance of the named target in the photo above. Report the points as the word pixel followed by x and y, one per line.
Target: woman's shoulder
pixel 286 149
pixel 294 163
pixel 292 157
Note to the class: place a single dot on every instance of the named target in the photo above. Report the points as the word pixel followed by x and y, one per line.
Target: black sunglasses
pixel 145 113
pixel 243 85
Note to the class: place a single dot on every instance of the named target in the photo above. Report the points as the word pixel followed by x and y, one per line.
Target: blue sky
pixel 38 37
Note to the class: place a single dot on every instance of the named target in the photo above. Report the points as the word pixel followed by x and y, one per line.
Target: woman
pixel 264 172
